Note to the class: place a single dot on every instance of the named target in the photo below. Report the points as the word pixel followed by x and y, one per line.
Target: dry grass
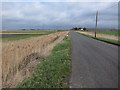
pixel 101 35
pixel 19 57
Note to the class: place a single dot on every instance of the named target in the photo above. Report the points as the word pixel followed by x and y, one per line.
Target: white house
pixel 81 29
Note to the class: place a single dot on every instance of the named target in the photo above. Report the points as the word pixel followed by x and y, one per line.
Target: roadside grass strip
pixel 54 71
pixel 115 42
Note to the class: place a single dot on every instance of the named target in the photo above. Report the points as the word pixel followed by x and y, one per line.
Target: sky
pixel 58 15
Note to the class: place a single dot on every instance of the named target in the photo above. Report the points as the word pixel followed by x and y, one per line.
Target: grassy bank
pixel 52 72
pixel 103 39
pixel 21 37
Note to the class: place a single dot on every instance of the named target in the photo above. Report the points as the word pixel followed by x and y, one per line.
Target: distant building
pixel 81 29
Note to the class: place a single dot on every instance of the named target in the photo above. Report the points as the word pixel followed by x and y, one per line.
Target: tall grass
pixel 52 72
pixel 17 54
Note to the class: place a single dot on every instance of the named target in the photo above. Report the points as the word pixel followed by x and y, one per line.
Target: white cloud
pixel 24 15
pixel 60 0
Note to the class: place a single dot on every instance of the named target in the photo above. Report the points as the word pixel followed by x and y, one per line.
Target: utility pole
pixel 96 22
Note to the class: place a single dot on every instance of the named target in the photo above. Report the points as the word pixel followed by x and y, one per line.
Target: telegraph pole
pixel 96 22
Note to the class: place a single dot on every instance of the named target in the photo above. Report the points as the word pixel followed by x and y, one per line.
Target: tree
pixel 74 28
pixel 79 28
pixel 84 29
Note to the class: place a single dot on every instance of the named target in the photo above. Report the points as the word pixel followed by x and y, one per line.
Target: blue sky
pixel 58 15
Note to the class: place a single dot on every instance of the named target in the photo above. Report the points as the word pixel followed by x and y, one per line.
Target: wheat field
pixel 16 55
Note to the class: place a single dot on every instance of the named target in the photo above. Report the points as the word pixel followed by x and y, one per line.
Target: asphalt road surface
pixel 94 63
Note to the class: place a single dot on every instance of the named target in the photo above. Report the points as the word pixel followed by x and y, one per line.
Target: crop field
pixel 30 32
pixel 115 33
pixel 12 37
pixel 19 57
pixel 109 39
pixel 17 35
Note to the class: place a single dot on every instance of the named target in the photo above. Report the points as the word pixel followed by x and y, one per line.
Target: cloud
pixel 60 0
pixel 17 15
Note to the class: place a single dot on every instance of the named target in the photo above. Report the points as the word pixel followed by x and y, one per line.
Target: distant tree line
pixel 79 28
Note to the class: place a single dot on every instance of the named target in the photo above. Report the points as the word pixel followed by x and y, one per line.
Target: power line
pixel 101 10
pixel 110 7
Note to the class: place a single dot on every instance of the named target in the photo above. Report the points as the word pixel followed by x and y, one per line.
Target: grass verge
pixel 54 71
pixel 115 42
pixel 22 37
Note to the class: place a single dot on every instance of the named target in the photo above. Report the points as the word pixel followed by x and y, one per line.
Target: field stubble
pixel 19 58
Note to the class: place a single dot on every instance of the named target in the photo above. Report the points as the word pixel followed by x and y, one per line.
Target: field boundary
pixel 44 46
pixel 110 41
pixel 114 33
pixel 101 35
pixel 53 71
pixel 12 38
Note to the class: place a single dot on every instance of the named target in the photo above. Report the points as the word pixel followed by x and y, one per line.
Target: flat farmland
pixel 113 35
pixel 29 32
pixel 106 36
pixel 11 35
pixel 23 52
pixel 17 35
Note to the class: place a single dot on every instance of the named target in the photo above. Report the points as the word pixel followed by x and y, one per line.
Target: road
pixel 94 63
